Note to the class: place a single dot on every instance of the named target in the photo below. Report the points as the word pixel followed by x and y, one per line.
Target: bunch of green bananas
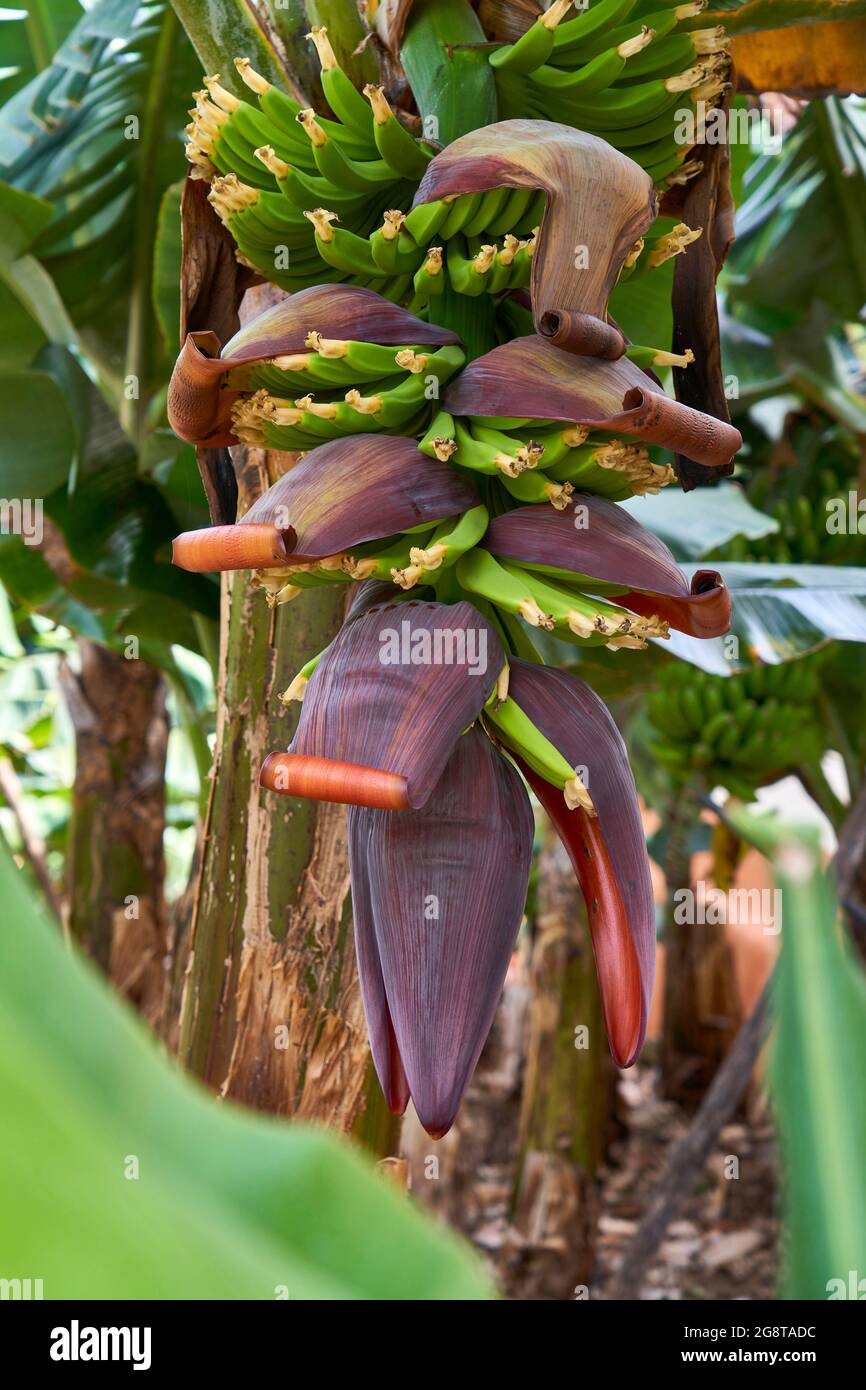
pixel 740 730
pixel 808 503
pixel 338 387
pixel 622 70
pixel 531 461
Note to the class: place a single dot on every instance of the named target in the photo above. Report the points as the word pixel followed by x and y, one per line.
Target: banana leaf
pixel 780 612
pixel 221 1203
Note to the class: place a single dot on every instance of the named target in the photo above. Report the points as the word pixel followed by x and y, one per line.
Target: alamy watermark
pixel 708 906
pixel 441 646
pixel 22 516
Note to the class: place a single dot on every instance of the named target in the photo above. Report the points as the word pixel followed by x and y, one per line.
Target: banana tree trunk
pixel 271 1012
pixel 115 863
pixel 567 1098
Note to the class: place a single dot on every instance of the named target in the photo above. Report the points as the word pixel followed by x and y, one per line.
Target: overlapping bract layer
pixel 533 378
pixel 207 382
pixel 439 903
pixel 610 551
pixel 608 851
pixel 341 495
pixel 594 194
pixel 387 702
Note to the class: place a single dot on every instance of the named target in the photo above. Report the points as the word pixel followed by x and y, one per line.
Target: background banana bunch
pixel 742 730
pixel 622 70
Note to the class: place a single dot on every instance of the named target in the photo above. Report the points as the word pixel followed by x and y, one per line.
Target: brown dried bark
pixel 115 866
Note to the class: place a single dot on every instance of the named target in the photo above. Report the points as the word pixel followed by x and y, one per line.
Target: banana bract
pixel 611 549
pixel 340 495
pixel 440 832
pixel 607 851
pixel 438 897
pixel 534 378
pixel 206 382
pixel 598 204
pixel 386 704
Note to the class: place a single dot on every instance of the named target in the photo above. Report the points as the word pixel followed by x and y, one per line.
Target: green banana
pixel 517 732
pixel 587 618
pixel 535 46
pixel 594 76
pixel 439 442
pixel 537 487
pixel 468 274
pixel 479 573
pixel 332 162
pixel 450 540
pixel 341 94
pixel 425 220
pixel 400 151
pixel 595 19
pixel 461 209
pixel 342 249
pixel 488 451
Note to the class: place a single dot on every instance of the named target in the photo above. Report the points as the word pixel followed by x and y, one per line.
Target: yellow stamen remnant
pixel 575 794
pixel 555 14
pixel 229 196
pixel 689 170
pixel 366 405
pixel 391 224
pixel 295 362
pixel 443 447
pixel 483 260
pixel 528 455
pixel 535 616
pixel 381 109
pixel 558 494
pixel 408 577
pixel 327 56
pixel 254 80
pixel 272 162
pixel 636 644
pixel 690 10
pixel 321 220
pixel 296 690
pixel 510 248
pixel 412 361
pixel 218 94
pixel 674 359
pixel 428 559
pixel 684 81
pixel 502 683
pixel 511 467
pixel 637 44
pixel 326 347
pixel 325 411
pixel 575 435
pixel 634 254
pixel 580 624
pixel 710 40
pixel 307 119
pixel 673 243
pixel 359 569
pixel 433 263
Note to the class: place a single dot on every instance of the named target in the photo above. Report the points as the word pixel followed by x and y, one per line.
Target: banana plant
pixel 465 468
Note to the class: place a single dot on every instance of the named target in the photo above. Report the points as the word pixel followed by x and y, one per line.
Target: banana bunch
pixel 529 461
pixel 805 535
pixel 336 388
pixel 622 70
pixel 309 200
pixel 741 730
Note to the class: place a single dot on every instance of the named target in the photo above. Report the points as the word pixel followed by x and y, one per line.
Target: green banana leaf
pixel 801 226
pixel 780 612
pixel 693 524
pixel 30 35
pixel 98 134
pixel 120 1178
pixel 820 1010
